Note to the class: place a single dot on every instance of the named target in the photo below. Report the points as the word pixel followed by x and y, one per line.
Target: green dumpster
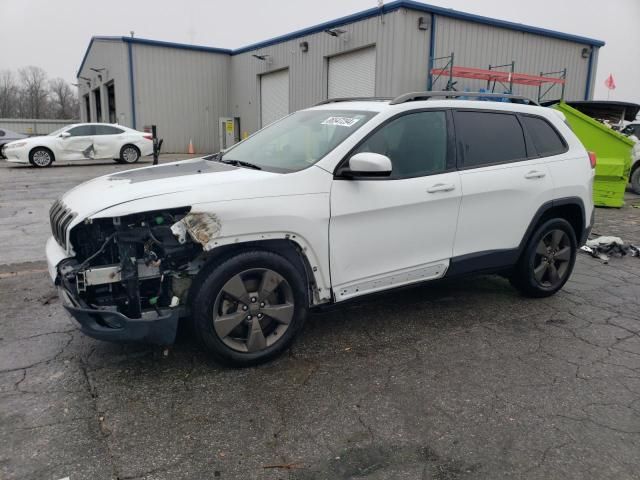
pixel 613 152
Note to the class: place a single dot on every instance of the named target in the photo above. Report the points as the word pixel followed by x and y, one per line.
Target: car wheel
pixel 129 154
pixel 249 309
pixel 635 180
pixel 548 259
pixel 41 157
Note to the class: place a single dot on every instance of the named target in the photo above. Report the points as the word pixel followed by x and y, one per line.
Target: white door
pixel 79 145
pixel 503 183
pixel 274 96
pixel 396 230
pixel 352 74
pixel 107 141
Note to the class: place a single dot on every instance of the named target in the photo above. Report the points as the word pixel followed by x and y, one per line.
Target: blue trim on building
pixel 432 52
pixel 369 13
pixel 589 75
pixel 132 85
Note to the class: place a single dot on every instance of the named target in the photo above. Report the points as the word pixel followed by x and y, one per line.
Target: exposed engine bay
pixel 132 264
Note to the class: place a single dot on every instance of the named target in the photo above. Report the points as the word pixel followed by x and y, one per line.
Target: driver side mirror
pixel 369 164
pixel 65 135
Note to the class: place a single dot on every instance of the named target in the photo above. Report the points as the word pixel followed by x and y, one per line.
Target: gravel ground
pixel 451 380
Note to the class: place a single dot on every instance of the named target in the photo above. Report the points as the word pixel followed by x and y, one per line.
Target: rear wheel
pixel 129 154
pixel 41 157
pixel 249 309
pixel 548 259
pixel 635 179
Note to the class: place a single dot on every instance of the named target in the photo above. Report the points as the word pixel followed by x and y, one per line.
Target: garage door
pixel 274 96
pixel 353 74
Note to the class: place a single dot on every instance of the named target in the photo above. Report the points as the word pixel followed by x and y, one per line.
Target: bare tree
pixel 64 99
pixel 35 96
pixel 8 94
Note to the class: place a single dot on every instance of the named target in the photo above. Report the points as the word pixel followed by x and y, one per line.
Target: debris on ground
pixel 604 247
pixel 285 466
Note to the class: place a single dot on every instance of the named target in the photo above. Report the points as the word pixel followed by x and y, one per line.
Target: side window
pixel 488 138
pixel 416 144
pixel 107 130
pixel 1 133
pixel 81 131
pixel 546 140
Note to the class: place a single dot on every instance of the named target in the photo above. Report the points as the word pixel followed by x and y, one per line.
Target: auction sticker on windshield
pixel 341 121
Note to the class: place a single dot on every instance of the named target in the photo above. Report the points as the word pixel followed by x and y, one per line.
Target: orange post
pixel 191 150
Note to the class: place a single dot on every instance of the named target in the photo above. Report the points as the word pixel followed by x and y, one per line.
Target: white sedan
pixel 81 141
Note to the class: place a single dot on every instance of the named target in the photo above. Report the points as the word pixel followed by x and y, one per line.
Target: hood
pixel 196 175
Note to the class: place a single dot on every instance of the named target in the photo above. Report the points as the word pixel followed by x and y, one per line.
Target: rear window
pixel 489 138
pixel 545 138
pixel 107 130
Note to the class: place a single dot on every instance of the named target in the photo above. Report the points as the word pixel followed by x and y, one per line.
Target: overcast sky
pixel 55 34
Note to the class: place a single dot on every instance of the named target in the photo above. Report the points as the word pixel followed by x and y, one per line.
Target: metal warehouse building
pixel 214 96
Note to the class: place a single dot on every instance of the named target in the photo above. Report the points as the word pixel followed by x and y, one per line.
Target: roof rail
pixel 354 99
pixel 416 96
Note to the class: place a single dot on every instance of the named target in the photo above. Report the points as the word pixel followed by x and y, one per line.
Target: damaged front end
pixel 130 276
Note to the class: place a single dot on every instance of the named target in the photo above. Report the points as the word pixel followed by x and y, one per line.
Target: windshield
pixel 299 140
pixel 58 132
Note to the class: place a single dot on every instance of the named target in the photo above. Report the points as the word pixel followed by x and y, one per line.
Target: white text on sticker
pixel 341 121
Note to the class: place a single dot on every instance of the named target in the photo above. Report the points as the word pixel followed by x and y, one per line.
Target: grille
pixel 60 217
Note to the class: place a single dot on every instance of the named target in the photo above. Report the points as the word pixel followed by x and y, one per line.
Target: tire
pixel 129 154
pixel 41 157
pixel 249 309
pixel 547 261
pixel 635 180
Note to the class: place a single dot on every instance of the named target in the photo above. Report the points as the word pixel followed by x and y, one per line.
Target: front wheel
pixel 41 157
pixel 547 261
pixel 250 308
pixel 129 154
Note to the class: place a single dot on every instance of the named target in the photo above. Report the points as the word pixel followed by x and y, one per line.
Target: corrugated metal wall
pixel 477 45
pixel 111 55
pixel 29 126
pixel 183 92
pixel 401 63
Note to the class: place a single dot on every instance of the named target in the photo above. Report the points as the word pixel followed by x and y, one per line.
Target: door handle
pixel 441 187
pixel 534 174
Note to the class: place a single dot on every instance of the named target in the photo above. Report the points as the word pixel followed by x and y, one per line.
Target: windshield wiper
pixel 239 163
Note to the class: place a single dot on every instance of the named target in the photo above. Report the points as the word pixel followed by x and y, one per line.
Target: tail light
pixel 592 159
pixel 148 136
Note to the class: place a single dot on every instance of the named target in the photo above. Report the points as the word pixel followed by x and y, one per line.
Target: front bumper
pixel 16 155
pixel 154 327
pixel 157 327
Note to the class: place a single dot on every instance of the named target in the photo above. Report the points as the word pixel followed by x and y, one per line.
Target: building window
pixel 98 100
pixel 87 108
pixel 111 103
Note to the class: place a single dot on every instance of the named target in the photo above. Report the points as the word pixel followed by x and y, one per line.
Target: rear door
pixel 504 183
pixel 107 141
pixel 79 145
pixel 396 230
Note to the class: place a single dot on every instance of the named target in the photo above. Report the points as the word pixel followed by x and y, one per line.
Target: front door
pixel 79 145
pixel 400 229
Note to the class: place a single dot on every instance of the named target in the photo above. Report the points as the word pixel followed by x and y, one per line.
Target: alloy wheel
pixel 253 310
pixel 41 158
pixel 130 155
pixel 552 259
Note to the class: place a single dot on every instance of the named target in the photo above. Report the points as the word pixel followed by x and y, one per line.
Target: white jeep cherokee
pixel 341 200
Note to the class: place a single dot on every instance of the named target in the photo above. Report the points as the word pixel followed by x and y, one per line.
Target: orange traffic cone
pixel 191 150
